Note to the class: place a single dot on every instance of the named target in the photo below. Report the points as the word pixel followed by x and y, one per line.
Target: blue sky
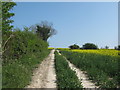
pixel 75 22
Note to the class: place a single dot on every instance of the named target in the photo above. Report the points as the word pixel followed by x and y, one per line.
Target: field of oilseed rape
pixel 102 66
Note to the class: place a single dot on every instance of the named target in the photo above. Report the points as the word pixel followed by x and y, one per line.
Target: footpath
pixel 44 76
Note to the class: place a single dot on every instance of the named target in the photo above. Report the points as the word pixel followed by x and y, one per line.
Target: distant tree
pixel 74 46
pixel 45 30
pixel 115 48
pixel 6 15
pixel 106 47
pixel 89 46
pixel 118 47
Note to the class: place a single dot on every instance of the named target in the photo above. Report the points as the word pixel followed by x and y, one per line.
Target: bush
pixel 22 43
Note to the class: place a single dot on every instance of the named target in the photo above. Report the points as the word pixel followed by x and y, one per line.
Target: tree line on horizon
pixel 90 46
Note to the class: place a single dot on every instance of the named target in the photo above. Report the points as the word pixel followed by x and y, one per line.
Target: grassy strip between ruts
pixel 66 78
pixel 102 69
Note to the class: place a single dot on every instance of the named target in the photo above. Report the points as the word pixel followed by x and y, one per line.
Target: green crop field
pixel 100 65
pixel 66 78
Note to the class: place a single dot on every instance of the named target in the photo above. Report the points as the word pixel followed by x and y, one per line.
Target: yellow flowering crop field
pixel 101 51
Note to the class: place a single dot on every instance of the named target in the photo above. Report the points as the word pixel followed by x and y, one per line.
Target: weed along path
pixel 44 76
pixel 85 82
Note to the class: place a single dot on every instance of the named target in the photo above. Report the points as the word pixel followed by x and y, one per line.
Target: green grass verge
pixel 102 69
pixel 0 75
pixel 66 78
pixel 18 74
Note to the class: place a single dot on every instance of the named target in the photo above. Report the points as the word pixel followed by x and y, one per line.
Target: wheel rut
pixel 44 76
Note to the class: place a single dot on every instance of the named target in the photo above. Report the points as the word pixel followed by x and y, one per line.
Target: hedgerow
pixel 23 52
